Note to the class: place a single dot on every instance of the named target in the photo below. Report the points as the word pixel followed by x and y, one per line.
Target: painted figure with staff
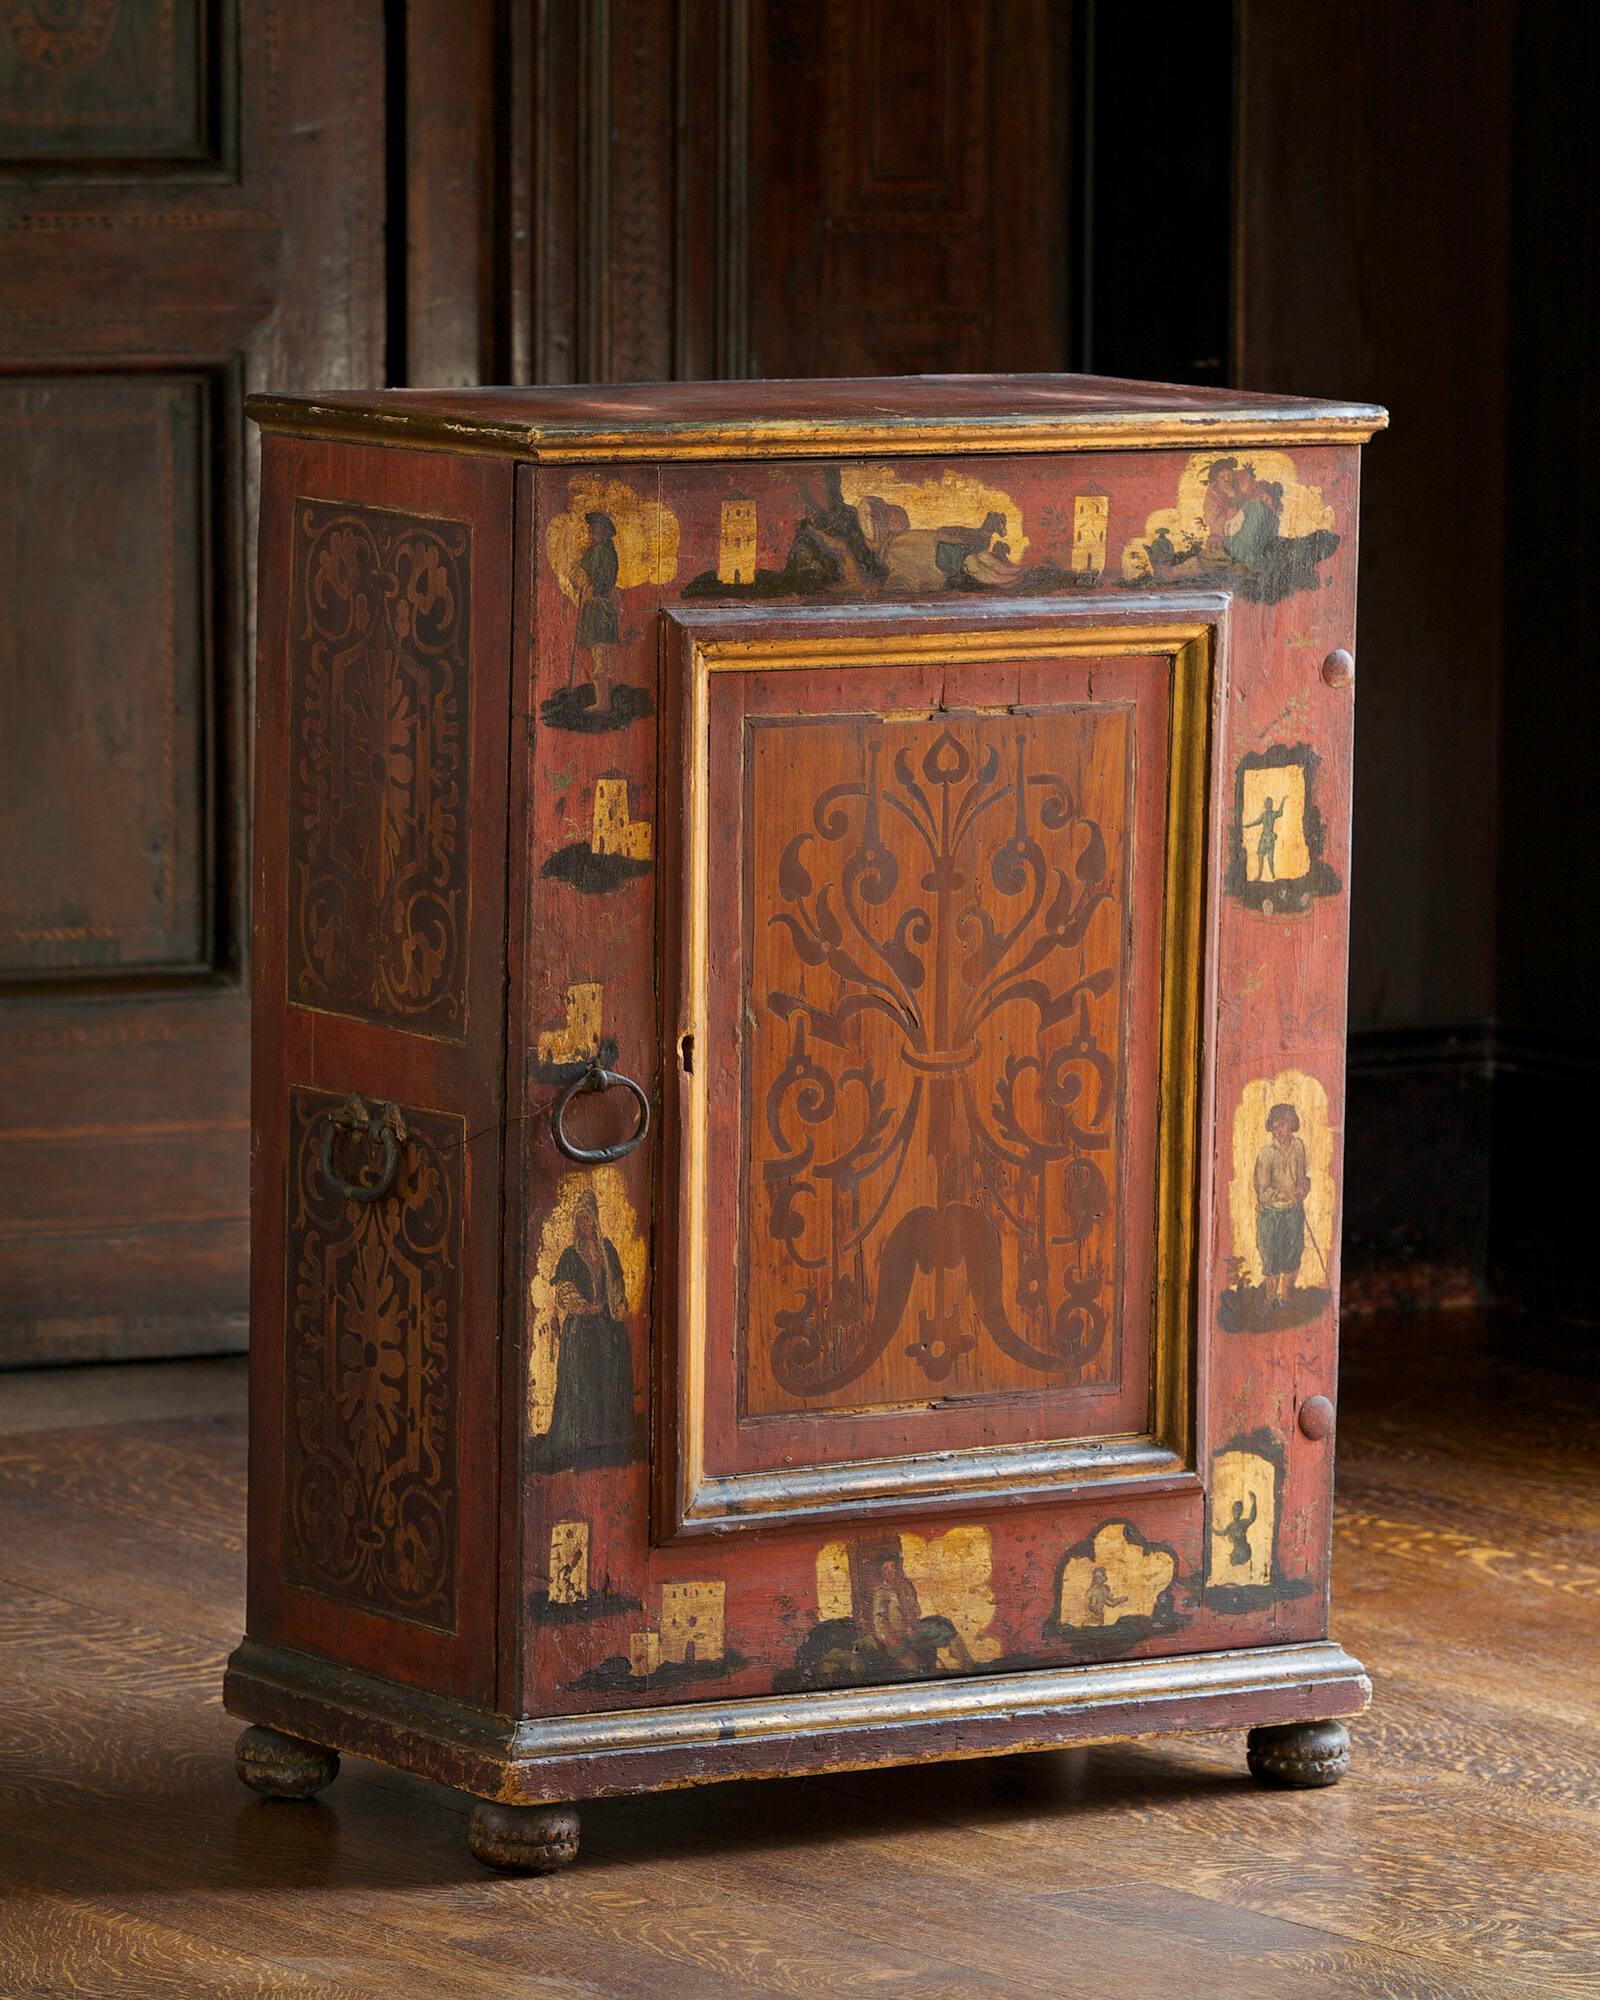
pixel 1281 1186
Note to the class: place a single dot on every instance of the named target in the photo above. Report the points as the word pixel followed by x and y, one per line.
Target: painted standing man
pixel 1281 1185
pixel 1267 845
pixel 596 581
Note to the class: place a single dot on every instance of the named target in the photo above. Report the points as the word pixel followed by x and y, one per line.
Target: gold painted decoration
pixel 569 1562
pixel 1244 1522
pixel 608 541
pixel 905 521
pixel 693 1622
pixel 1091 514
pixel 1274 801
pixel 1242 519
pixel 877 530
pixel 645 532
pixel 1244 1519
pixel 687 1641
pixel 738 549
pixel 1120 1578
pixel 893 1605
pixel 578 1037
pixel 618 846
pixel 588 1277
pixel 1281 1205
pixel 1276 866
pixel 615 831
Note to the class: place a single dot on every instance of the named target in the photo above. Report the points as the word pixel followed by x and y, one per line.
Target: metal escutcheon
pixel 596 1078
pixel 384 1125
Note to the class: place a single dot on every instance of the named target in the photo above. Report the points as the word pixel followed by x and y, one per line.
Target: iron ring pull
pixel 385 1125
pixel 596 1078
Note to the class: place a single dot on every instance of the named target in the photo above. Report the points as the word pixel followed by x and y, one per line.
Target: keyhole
pixel 686 1054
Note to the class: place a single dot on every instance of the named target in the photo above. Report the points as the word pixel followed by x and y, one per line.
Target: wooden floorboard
pixel 1457 1860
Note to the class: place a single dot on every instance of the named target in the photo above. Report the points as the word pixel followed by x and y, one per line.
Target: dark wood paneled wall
pixel 191 205
pixel 1372 234
pixel 1372 231
pixel 908 188
pixel 1547 1091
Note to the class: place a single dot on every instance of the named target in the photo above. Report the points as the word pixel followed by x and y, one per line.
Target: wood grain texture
pixel 1453 1863
pixel 850 1199
pixel 913 173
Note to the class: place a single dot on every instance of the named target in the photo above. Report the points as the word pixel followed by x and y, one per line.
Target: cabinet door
pixel 935 926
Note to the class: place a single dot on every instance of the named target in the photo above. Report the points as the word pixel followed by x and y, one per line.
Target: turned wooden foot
pixel 1299 1753
pixel 283 1767
pixel 524 1840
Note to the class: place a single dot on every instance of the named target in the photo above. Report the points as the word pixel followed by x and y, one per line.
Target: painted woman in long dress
pixel 592 1421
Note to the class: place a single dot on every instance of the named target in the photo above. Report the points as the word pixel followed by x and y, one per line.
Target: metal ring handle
pixel 596 1078
pixel 385 1125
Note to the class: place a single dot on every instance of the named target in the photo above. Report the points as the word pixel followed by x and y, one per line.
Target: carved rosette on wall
pixel 934 1098
pixel 371 1385
pixel 378 864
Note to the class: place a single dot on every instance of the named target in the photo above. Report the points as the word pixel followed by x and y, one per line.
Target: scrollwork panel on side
pixel 372 1368
pixel 380 663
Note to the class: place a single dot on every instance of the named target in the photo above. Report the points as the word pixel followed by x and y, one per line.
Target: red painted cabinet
pixel 798 1080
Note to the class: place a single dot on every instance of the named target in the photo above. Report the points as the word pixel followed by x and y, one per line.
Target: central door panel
pixel 933 904
pixel 933 1085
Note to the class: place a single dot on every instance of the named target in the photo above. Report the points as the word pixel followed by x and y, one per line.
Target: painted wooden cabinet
pixel 799 1021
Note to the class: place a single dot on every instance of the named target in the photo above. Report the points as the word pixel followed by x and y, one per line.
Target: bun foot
pixel 524 1840
pixel 283 1767
pixel 1299 1753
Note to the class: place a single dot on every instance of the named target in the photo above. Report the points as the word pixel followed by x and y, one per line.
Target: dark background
pixel 1375 199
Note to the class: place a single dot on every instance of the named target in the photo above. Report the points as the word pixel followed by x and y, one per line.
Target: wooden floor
pixel 1461 1857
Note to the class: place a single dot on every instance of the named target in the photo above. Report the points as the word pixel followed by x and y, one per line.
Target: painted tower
pixel 736 551
pixel 613 832
pixel 692 1622
pixel 1090 519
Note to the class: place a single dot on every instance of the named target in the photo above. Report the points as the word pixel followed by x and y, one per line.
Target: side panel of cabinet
pixel 379 977
pixel 614 1613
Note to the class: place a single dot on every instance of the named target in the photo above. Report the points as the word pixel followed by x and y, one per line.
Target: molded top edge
pixel 881 415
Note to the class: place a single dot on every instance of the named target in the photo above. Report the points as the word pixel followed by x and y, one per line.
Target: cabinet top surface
pixel 879 414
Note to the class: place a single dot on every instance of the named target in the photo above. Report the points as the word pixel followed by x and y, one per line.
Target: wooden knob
pixel 1339 668
pixel 1316 1418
